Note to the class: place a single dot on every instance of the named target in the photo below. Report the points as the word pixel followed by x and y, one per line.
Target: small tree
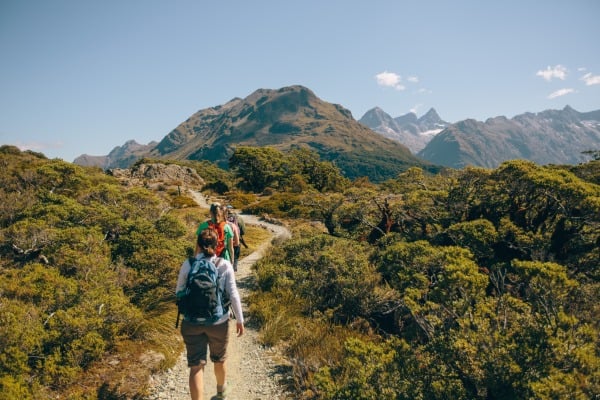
pixel 257 168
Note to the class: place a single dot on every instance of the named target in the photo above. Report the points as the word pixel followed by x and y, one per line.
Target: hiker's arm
pixel 182 277
pixel 231 253
pixel 228 231
pixel 243 242
pixel 234 296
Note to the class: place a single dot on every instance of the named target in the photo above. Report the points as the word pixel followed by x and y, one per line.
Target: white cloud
pixel 38 146
pixel 389 79
pixel 560 93
pixel 413 79
pixel 590 79
pixel 549 73
pixel 416 108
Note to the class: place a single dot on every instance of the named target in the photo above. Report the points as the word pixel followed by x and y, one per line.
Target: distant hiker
pixel 232 216
pixel 207 327
pixel 236 235
pixel 224 232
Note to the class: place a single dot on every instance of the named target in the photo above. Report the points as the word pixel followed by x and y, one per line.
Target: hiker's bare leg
pixel 220 374
pixel 196 382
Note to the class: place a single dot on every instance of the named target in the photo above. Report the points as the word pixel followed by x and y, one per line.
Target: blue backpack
pixel 202 303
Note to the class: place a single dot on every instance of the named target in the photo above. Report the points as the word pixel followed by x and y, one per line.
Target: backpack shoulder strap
pixel 191 260
pixel 218 261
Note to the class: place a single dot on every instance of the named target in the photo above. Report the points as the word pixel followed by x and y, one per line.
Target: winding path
pixel 252 373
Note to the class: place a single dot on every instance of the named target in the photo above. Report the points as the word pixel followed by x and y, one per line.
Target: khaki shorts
pixel 197 338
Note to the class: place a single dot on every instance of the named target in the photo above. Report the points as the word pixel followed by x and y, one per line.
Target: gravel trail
pixel 252 372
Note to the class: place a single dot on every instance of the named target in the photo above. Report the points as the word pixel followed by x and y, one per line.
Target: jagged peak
pixel 375 116
pixel 376 111
pixel 431 116
pixel 410 117
pixel 570 110
pixel 431 113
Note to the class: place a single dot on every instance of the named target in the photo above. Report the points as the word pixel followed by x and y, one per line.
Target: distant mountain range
pixel 377 146
pixel 407 129
pixel 119 157
pixel 548 137
pixel 286 118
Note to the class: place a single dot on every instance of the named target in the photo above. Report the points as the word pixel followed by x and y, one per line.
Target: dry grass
pixel 254 237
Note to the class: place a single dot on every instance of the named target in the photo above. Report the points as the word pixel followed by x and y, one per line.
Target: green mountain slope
pixel 287 118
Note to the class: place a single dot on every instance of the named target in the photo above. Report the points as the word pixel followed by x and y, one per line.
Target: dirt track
pixel 252 373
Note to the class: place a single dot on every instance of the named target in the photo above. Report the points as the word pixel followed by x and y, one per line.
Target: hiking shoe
pixel 221 395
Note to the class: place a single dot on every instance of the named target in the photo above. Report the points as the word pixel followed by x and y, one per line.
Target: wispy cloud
pixel 560 93
pixel 590 79
pixel 413 79
pixel 558 72
pixel 416 108
pixel 38 146
pixel 390 79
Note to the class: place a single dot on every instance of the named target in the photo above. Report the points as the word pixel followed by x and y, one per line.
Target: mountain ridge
pixel 287 118
pixel 546 137
pixel 119 157
pixel 377 146
pixel 408 129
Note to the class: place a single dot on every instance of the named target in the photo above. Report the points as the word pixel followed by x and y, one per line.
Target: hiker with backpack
pixel 205 289
pixel 232 216
pixel 237 237
pixel 218 222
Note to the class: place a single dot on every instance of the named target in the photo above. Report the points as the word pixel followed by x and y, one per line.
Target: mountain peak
pixel 570 111
pixel 376 117
pixel 430 116
pixel 289 117
pixel 408 118
pixel 407 129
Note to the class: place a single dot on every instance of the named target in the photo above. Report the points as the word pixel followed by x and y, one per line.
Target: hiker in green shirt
pixel 218 222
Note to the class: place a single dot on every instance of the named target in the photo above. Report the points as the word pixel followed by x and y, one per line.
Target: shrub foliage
pixel 84 260
pixel 470 284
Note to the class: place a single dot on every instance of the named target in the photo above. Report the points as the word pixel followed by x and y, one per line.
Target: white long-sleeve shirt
pixel 226 282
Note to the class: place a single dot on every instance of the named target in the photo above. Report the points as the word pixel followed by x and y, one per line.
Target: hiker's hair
pixel 217 212
pixel 207 241
pixel 225 211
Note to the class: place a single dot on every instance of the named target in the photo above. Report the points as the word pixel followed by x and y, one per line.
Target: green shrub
pixel 239 200
pixel 183 202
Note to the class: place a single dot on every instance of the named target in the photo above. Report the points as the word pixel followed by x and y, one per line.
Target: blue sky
pixel 82 76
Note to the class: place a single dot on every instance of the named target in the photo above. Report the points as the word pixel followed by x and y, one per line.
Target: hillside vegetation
pixel 87 267
pixel 467 284
pixel 472 284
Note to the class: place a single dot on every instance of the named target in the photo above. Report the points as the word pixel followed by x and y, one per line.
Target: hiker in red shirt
pixel 224 232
